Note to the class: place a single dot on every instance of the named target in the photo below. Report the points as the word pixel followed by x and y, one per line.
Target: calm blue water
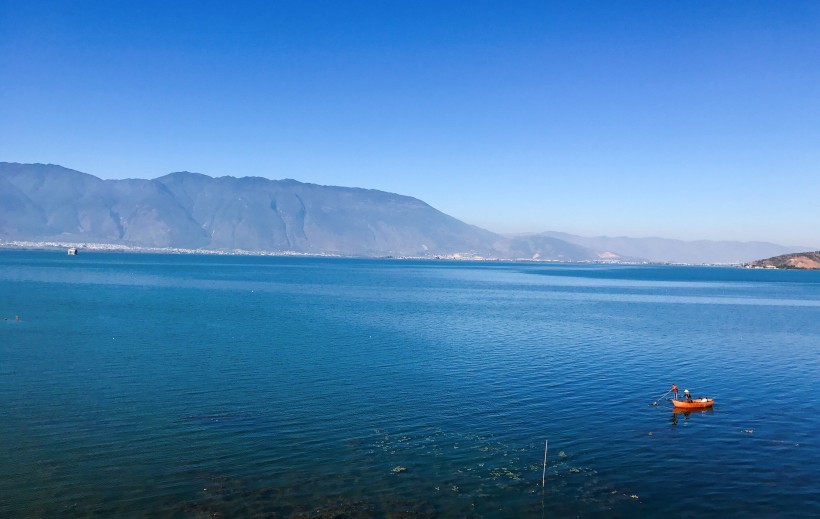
pixel 193 386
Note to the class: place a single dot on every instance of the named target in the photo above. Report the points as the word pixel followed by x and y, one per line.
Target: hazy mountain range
pixel 40 202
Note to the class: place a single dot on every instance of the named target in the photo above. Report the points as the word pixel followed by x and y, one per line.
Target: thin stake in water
pixel 544 473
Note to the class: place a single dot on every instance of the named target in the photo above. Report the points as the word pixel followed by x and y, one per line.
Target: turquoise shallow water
pixel 193 386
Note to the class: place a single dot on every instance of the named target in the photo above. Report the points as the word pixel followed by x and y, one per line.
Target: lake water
pixel 138 385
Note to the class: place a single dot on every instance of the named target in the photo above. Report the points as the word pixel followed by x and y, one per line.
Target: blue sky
pixel 689 120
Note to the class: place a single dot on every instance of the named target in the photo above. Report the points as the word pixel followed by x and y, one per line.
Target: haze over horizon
pixel 697 120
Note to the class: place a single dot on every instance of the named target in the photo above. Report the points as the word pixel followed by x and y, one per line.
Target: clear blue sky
pixel 677 119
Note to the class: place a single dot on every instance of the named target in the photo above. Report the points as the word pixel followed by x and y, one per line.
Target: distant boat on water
pixel 72 251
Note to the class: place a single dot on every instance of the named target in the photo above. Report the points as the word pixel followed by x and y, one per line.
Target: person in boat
pixel 687 395
pixel 674 390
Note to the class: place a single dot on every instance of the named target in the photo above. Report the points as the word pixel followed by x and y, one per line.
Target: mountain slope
pixel 47 202
pixel 257 213
pixel 534 247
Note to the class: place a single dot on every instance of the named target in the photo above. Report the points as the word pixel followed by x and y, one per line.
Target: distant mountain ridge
pixel 190 210
pixel 665 250
pixel 43 202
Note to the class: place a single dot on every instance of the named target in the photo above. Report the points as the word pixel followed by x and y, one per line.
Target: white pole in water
pixel 544 473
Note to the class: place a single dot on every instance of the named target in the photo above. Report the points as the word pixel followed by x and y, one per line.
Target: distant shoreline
pixel 111 247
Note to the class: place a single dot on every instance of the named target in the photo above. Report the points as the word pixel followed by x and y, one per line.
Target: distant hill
pixel 663 250
pixel 800 260
pixel 50 203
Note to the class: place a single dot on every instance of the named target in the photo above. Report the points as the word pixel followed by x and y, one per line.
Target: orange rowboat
pixel 697 403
